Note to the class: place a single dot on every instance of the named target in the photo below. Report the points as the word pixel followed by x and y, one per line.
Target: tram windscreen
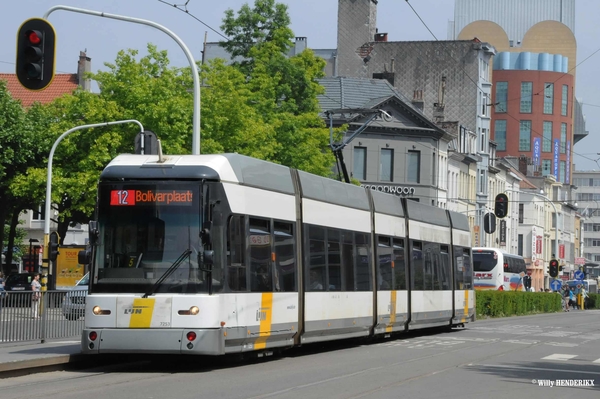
pixel 143 229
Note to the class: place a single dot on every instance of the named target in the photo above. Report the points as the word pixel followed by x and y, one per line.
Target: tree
pixel 267 22
pixel 19 147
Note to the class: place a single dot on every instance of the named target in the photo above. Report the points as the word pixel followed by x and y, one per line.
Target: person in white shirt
pixel 36 287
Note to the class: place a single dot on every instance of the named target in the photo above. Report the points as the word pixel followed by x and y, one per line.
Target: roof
pixel 350 92
pixel 64 83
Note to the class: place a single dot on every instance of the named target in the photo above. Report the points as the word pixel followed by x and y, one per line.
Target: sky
pixel 316 20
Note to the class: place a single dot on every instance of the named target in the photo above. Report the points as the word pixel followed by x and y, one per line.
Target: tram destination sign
pixel 151 197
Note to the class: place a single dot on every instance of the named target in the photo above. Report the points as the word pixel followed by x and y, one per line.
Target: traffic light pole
pixel 186 50
pixel 45 260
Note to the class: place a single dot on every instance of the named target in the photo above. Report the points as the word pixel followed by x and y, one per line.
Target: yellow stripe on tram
pixel 390 325
pixel 265 320
pixel 466 309
pixel 142 311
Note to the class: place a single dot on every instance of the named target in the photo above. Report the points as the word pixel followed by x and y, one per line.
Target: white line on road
pixel 559 356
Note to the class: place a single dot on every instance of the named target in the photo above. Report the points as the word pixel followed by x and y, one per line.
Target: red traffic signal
pixel 501 206
pixel 36 41
pixel 553 269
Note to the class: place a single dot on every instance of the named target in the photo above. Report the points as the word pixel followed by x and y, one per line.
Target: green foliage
pixel 593 301
pixel 268 22
pixel 514 303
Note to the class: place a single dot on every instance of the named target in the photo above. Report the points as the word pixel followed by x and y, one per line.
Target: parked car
pixel 74 302
pixel 18 289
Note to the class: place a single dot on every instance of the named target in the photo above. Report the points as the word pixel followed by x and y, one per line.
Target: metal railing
pixel 55 315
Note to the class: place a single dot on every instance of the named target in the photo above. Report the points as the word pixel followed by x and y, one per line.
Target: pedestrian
pixel 566 299
pixel 572 300
pixel 36 287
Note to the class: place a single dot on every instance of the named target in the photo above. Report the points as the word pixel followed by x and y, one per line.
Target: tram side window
pixel 416 281
pixel 385 261
pixel 334 268
pixel 445 277
pixel 285 257
pixel 261 271
pixel 348 260
pixel 399 265
pixel 316 263
pixel 363 271
pixel 463 269
pixel 236 248
pixel 431 266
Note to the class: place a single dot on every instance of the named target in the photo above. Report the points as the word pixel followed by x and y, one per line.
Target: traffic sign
pixel 578 275
pixel 556 285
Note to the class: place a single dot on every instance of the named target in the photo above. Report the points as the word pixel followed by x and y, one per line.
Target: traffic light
pixel 501 205
pixel 489 223
pixel 36 41
pixel 53 246
pixel 553 269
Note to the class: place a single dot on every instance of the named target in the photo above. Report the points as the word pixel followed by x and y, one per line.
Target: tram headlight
pixel 193 311
pixel 97 310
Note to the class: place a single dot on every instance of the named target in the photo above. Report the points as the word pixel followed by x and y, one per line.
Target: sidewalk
pixel 25 358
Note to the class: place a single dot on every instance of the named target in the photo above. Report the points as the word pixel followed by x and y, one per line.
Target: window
pixel 360 163
pixel 500 134
pixel 548 98
pixel 482 181
pixel 521 212
pixel 416 281
pixel 547 140
pixel 561 171
pixel 482 140
pixel 483 104
pixel 564 100
pixel 525 136
pixel 520 245
pixel 236 254
pixel 413 167
pixel 261 269
pixel 563 138
pixel 39 213
pixel 526 94
pixel 285 257
pixel 386 165
pixel 501 96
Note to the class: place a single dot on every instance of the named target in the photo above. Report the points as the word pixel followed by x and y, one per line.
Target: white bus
pixel 495 269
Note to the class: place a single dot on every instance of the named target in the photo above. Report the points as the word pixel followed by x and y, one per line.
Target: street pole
pixel 186 50
pixel 45 260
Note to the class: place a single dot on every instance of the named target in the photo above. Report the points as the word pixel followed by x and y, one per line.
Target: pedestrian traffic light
pixel 501 205
pixel 36 41
pixel 553 269
pixel 53 246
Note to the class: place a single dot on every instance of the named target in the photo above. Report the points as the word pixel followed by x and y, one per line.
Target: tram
pixel 218 254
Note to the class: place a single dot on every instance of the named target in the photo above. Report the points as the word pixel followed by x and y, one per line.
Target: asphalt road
pixel 497 358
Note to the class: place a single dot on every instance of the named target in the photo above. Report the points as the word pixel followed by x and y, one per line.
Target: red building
pixel 532 114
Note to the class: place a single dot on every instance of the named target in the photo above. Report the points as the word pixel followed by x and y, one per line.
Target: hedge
pixel 513 303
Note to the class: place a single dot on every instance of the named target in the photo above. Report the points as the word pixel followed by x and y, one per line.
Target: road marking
pixel 533 368
pixel 596 361
pixel 559 356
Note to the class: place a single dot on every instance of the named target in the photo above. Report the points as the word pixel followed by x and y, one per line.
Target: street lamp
pixel 31 262
pixel 541 195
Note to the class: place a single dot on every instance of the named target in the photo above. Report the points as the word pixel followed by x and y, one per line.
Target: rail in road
pixel 495 358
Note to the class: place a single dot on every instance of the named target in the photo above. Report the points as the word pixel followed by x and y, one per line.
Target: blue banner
pixel 537 143
pixel 556 157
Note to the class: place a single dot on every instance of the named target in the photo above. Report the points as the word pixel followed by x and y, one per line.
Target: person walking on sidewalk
pixel 36 287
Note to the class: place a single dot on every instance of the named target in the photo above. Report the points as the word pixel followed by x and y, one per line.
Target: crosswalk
pixel 563 357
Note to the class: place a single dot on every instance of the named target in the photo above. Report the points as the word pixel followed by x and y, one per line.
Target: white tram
pixel 216 254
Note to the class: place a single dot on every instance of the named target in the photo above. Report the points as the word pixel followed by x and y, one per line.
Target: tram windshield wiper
pixel 169 271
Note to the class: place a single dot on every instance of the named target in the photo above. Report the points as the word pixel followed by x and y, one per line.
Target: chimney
pixel 381 37
pixel 523 164
pixel 418 99
pixel 84 65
